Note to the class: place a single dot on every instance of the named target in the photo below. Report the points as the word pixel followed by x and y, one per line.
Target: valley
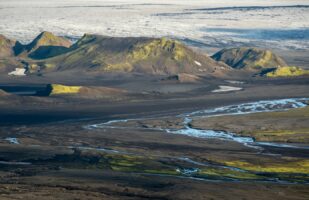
pixel 55 149
pixel 157 109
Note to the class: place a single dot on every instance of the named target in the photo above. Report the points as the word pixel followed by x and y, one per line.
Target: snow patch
pixel 225 88
pixel 235 82
pixel 12 140
pixel 18 72
pixel 197 63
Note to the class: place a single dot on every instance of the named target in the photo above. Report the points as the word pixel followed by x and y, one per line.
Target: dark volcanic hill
pixel 144 55
pixel 249 58
pixel 45 45
pixel 156 56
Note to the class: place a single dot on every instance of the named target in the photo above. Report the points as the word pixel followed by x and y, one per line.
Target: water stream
pixel 237 109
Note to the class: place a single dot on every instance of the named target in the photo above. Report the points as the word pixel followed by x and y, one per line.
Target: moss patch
pixel 301 167
pixel 264 60
pixel 287 71
pixel 156 48
pixel 63 89
pixel 228 173
pixel 295 135
pixel 120 67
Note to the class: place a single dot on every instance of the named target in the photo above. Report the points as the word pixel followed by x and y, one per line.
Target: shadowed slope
pixel 45 45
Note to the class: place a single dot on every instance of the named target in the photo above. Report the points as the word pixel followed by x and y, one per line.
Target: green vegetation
pixel 264 60
pixel 120 67
pixel 300 135
pixel 281 130
pixel 149 51
pixel 156 47
pixel 287 71
pixel 63 89
pixel 288 169
pixel 132 163
pixel 49 66
pixel 297 167
pixel 228 173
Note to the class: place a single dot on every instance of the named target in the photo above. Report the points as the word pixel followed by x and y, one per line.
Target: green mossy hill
pixel 45 45
pixel 6 47
pixel 249 58
pixel 287 71
pixel 143 55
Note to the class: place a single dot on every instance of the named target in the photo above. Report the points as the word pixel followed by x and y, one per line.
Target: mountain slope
pixel 143 55
pixel 3 93
pixel 6 47
pixel 249 58
pixel 8 61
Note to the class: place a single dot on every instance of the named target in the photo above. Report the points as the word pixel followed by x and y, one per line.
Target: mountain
pixel 45 45
pixel 156 56
pixel 249 58
pixel 143 55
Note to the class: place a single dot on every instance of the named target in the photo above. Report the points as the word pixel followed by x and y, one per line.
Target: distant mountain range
pixel 157 56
